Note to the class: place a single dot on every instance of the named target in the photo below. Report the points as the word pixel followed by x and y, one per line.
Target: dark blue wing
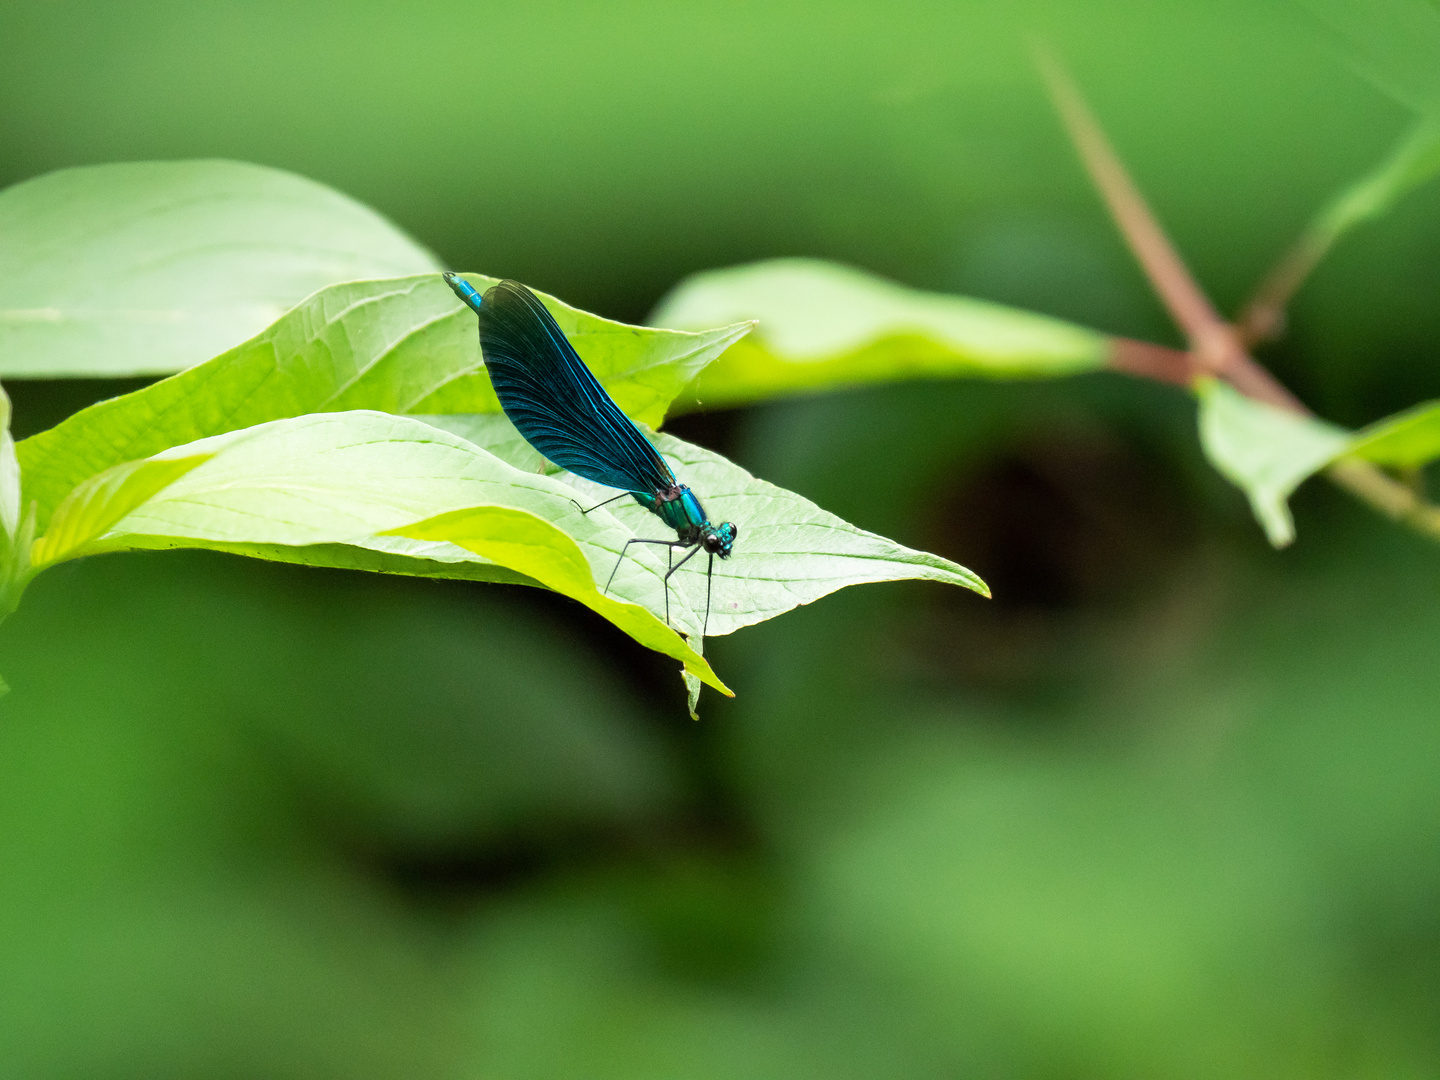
pixel 554 401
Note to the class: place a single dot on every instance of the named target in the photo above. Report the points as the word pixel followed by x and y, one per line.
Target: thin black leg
pixel 665 584
pixel 709 576
pixel 672 570
pixel 597 506
pixel 626 548
pixel 683 561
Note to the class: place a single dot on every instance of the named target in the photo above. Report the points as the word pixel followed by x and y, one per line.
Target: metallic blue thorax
pixel 680 509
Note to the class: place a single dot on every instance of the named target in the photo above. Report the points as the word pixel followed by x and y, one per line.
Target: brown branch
pixel 1263 317
pixel 1413 160
pixel 1213 342
pixel 1187 304
pixel 1215 346
pixel 1147 361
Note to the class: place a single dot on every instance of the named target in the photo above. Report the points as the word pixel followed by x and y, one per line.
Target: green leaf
pixel 692 691
pixel 524 542
pixel 97 505
pixel 9 474
pixel 642 367
pixel 330 478
pixel 823 325
pixel 16 527
pixel 151 267
pixel 1415 159
pixel 360 479
pixel 384 345
pixel 1396 44
pixel 1393 43
pixel 1266 452
pixel 377 491
pixel 789 552
pixel 1405 440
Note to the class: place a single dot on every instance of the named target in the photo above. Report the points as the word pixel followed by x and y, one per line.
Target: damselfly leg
pixel 709 573
pixel 597 506
pixel 670 565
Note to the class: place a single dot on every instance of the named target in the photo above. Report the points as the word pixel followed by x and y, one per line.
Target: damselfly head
pixel 720 540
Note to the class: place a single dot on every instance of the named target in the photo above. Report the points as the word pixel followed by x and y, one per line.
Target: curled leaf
pixel 1265 451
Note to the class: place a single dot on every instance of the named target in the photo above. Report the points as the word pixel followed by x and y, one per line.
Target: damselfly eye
pixel 722 540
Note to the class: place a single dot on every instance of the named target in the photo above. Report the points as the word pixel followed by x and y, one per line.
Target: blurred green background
pixel 1166 807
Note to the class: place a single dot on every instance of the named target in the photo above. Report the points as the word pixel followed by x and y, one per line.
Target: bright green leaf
pixel 1266 452
pixel 692 690
pixel 384 345
pixel 9 474
pixel 822 325
pixel 407 558
pixel 152 267
pixel 1406 440
pixel 15 526
pixel 643 368
pixel 524 542
pixel 98 504
pixel 348 489
pixel 789 552
pixel 355 478
pixel 330 478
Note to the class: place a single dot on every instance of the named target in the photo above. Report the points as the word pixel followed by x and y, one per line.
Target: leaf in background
pixel 1405 440
pixel 1393 43
pixel 789 551
pixel 1415 159
pixel 384 345
pixel 146 268
pixel 1396 44
pixel 1264 451
pixel 823 325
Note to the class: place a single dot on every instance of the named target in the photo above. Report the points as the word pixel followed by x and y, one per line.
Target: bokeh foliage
pixel 1165 808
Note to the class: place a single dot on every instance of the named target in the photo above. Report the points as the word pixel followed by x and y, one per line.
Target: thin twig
pixel 1263 317
pixel 1413 160
pixel 1149 361
pixel 1188 305
pixel 1215 346
pixel 1388 495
